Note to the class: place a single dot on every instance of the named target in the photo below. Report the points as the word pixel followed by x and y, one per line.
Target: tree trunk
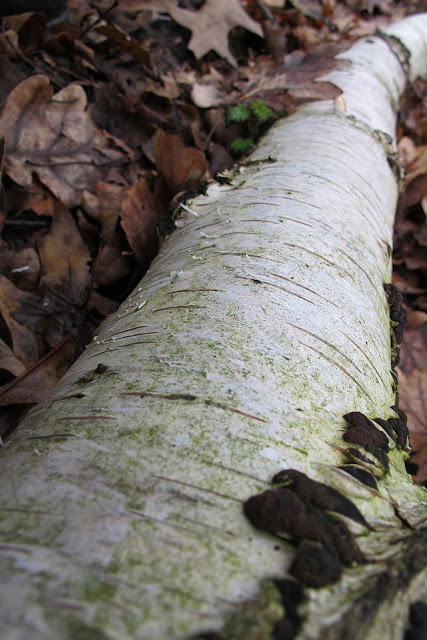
pixel 128 495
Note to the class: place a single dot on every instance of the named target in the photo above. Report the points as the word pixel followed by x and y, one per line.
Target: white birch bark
pixel 259 325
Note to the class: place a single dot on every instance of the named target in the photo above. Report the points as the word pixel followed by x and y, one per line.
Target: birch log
pixel 262 322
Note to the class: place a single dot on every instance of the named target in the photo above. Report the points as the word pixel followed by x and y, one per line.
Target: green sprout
pixel 254 118
pixel 240 145
pixel 238 113
pixel 263 112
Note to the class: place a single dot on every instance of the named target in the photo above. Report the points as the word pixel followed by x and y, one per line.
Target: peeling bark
pixel 262 323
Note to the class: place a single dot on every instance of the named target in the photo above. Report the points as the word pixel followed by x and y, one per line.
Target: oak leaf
pixel 211 25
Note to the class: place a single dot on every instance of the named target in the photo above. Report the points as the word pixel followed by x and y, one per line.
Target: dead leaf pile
pixel 410 270
pixel 109 116
pixel 413 389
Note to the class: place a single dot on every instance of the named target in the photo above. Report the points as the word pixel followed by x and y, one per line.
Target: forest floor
pixel 114 111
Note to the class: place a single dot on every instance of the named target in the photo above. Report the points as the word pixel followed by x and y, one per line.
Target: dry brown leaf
pixel 30 28
pixel 207 94
pixel 181 167
pixel 126 43
pixel 10 76
pixel 300 79
pixel 413 394
pixel 64 255
pixel 54 137
pixel 413 385
pixel 405 286
pixel 55 309
pixel 211 25
pixel 210 90
pixel 139 216
pixel 40 200
pixel 414 347
pixel 23 340
pixel 419 457
pixel 419 165
pixel 102 305
pixel 309 8
pixel 413 401
pixel 8 360
pixel 102 204
pixel 411 226
pixel 9 44
pixel 32 385
pixel 111 265
pixel 407 151
pixel 21 267
pixel 2 158
pixel 413 158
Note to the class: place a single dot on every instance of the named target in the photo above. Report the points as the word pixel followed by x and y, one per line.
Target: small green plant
pixel 263 112
pixel 253 117
pixel 240 145
pixel 238 113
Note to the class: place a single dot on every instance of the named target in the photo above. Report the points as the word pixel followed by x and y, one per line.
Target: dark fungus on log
pixel 316 565
pixel 401 430
pixel 373 436
pixel 299 510
pixel 396 428
pixel 398 317
pixel 363 475
pixel 325 497
pixel 385 426
pixel 363 432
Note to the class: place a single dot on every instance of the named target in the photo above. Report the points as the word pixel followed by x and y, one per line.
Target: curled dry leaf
pixel 24 342
pixel 125 43
pixel 29 27
pixel 54 136
pixel 181 167
pixel 111 265
pixel 139 216
pixel 102 204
